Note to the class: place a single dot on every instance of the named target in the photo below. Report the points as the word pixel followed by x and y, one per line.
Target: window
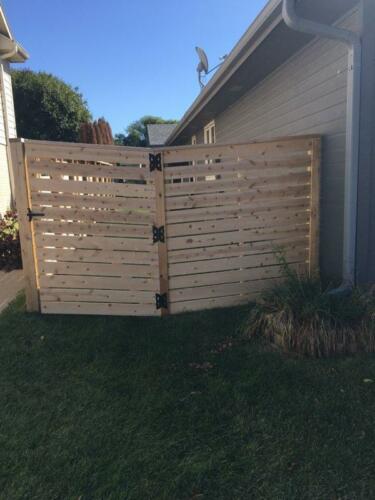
pixel 210 133
pixel 194 140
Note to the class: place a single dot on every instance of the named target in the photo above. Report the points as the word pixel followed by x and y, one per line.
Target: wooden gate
pixel 129 231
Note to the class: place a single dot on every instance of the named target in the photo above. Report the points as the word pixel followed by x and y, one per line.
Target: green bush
pixel 10 248
pixel 301 316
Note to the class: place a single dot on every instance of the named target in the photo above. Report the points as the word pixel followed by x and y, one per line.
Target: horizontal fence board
pixel 92 295
pixel 93 242
pixel 280 149
pixel 240 262
pixel 212 303
pixel 97 215
pixel 54 168
pixel 103 256
pixel 252 248
pixel 229 238
pixel 98 229
pixel 95 309
pixel 231 276
pixel 244 209
pixel 87 269
pixel 222 290
pixel 79 201
pixel 236 184
pixel 197 185
pixel 244 168
pixel 93 187
pixel 87 152
pixel 221 199
pixel 277 219
pixel 99 282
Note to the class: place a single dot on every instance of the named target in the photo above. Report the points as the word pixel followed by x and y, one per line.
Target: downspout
pixel 354 45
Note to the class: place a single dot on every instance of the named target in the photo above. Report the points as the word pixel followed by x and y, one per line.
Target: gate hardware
pixel 31 214
pixel 158 234
pixel 155 162
pixel 161 301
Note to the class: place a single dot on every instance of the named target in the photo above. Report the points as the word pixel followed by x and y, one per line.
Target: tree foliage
pixel 136 132
pixel 47 108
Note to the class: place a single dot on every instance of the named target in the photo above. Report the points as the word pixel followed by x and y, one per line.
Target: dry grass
pixel 302 317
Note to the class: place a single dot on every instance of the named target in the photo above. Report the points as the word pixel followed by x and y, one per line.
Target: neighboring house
pixel 280 82
pixel 10 52
pixel 158 133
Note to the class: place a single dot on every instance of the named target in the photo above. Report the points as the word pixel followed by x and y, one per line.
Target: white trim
pixel 209 133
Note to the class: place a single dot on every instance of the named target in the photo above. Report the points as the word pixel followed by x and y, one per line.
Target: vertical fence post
pixel 160 222
pixel 315 206
pixel 26 238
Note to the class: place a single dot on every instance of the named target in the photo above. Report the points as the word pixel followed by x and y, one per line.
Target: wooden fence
pixel 129 231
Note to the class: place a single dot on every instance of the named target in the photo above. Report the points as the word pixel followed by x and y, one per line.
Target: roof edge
pixel 247 43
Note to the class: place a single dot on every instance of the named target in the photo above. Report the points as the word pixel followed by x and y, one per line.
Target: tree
pixel 47 108
pixel 98 132
pixel 136 133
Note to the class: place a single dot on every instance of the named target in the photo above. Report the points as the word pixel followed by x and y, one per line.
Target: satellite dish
pixel 203 65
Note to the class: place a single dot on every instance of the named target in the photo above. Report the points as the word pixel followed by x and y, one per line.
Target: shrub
pixel 301 316
pixel 10 248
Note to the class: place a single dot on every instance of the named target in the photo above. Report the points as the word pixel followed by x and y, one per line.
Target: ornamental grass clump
pixel 300 316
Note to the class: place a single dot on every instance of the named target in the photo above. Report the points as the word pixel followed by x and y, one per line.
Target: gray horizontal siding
pixel 307 95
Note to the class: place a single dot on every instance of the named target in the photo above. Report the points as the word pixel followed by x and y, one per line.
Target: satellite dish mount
pixel 202 68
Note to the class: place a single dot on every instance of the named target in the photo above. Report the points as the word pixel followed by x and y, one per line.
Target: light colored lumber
pixel 94 309
pixel 103 256
pixel 99 282
pixel 25 230
pixel 97 215
pixel 160 221
pixel 55 168
pixel 94 187
pixel 82 201
pixel 234 263
pixel 87 269
pixel 212 303
pixel 242 151
pixel 252 248
pixel 315 207
pixel 221 290
pixel 276 219
pixel 236 184
pixel 93 242
pixel 231 276
pixel 291 230
pixel 246 209
pixel 85 152
pixel 92 295
pixel 222 199
pixel 99 229
pixel 246 168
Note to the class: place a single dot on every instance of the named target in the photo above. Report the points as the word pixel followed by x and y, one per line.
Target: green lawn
pixel 117 408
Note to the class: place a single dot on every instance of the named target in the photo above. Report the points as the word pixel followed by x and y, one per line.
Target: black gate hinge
pixel 158 234
pixel 31 214
pixel 155 162
pixel 161 301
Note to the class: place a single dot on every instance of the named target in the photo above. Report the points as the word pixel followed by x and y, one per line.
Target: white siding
pixel 8 91
pixel 5 191
pixel 306 95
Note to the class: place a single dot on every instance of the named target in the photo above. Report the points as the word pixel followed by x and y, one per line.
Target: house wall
pixel 306 95
pixel 6 113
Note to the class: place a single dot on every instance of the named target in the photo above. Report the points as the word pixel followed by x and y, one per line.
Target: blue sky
pixel 129 58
